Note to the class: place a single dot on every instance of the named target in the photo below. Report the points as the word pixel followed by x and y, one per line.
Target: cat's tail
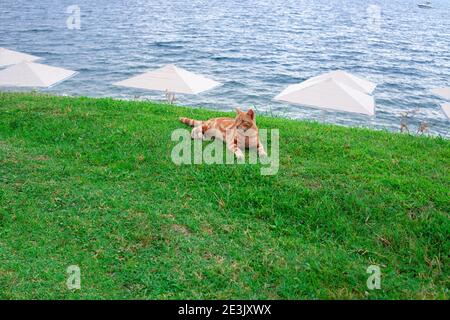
pixel 191 122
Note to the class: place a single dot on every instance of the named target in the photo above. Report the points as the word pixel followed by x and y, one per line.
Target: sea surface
pixel 255 48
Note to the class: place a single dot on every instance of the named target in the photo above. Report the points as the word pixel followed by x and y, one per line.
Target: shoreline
pixel 266 114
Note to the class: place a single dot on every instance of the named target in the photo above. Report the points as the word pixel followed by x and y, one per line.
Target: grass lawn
pixel 90 182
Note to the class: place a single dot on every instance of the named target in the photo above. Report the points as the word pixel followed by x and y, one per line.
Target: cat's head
pixel 245 120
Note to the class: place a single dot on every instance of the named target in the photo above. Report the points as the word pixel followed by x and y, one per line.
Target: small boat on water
pixel 426 5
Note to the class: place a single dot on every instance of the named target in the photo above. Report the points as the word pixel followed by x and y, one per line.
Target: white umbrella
pixel 446 108
pixel 31 74
pixel 10 57
pixel 442 92
pixel 329 93
pixel 172 79
pixel 348 79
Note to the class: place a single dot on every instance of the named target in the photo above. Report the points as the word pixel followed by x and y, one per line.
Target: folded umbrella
pixel 171 79
pixel 336 92
pixel 31 74
pixel 442 92
pixel 10 57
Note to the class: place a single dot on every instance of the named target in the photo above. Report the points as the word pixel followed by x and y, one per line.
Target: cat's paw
pixel 239 154
pixel 262 154
pixel 207 138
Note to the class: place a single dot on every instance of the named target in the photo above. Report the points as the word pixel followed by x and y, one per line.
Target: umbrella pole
pixel 170 97
pixel 322 116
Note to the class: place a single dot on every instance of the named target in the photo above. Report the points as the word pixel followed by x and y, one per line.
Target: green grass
pixel 90 182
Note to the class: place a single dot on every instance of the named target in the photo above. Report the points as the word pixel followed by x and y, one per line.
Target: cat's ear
pixel 238 111
pixel 251 113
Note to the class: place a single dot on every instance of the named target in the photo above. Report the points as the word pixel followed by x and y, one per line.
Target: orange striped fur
pixel 238 133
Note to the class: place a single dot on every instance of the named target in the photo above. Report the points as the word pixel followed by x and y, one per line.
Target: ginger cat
pixel 238 133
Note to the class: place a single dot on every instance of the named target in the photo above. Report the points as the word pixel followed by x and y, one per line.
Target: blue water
pixel 255 47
